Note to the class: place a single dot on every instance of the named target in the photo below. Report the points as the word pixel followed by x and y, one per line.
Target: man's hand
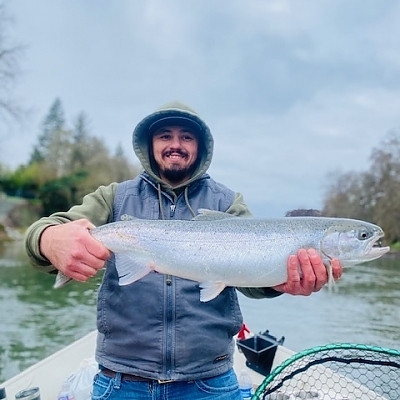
pixel 72 250
pixel 307 273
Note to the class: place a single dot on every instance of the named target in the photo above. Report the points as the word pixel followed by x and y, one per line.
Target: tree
pixel 373 195
pixel 55 143
pixel 349 195
pixel 60 194
pixel 81 141
pixel 66 164
pixel 9 69
pixel 122 169
pixel 53 122
pixel 23 182
pixel 386 171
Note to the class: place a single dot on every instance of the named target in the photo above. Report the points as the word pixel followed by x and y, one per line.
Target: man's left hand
pixel 307 273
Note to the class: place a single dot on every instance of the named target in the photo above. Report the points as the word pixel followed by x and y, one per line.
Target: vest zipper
pixel 168 327
pixel 170 305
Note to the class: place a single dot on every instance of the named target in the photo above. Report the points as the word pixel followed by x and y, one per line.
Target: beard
pixel 174 173
pixel 178 174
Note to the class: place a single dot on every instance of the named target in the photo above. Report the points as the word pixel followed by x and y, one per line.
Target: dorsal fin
pixel 211 215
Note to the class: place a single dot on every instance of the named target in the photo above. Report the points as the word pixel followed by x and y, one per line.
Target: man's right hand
pixel 72 249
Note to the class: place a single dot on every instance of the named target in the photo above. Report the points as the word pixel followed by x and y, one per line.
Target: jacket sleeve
pixel 240 209
pixel 97 207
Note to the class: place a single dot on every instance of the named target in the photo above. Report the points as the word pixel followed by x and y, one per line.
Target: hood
pixel 175 110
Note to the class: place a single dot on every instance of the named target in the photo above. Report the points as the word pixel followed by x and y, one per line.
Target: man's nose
pixel 175 142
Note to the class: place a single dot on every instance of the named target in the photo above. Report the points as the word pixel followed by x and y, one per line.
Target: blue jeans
pixel 221 387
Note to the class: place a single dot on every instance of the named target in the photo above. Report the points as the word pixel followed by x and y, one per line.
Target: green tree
pixel 22 182
pixel 66 164
pixel 54 143
pixel 81 142
pixel 60 194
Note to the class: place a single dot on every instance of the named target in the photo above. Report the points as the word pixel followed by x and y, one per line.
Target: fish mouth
pixel 375 249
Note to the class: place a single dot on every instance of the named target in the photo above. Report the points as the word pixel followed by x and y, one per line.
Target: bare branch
pixel 10 54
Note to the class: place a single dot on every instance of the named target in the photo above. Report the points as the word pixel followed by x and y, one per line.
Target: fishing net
pixel 335 372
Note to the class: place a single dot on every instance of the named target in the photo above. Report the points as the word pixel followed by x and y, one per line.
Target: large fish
pixel 219 250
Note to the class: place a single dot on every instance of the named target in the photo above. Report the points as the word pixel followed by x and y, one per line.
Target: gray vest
pixel 157 327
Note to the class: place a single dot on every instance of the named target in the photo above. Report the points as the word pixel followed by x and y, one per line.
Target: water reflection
pixel 38 320
pixel 366 309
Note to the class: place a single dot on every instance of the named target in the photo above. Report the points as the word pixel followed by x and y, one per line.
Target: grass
pixel 395 246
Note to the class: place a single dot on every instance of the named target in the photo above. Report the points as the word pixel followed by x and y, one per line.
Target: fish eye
pixel 364 234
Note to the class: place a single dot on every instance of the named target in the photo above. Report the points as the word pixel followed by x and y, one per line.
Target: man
pixel 156 340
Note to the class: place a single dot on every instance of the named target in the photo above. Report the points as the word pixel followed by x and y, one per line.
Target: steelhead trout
pixel 217 249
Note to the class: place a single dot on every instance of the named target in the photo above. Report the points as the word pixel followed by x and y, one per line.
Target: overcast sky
pixel 292 89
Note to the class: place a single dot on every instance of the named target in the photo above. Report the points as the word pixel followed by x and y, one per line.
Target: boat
pixel 50 373
pixel 276 371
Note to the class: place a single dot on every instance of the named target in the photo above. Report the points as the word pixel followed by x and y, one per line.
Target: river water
pixel 37 320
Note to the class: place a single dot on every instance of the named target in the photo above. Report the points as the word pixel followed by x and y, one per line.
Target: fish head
pixel 353 241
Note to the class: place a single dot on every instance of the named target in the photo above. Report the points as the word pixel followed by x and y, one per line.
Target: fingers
pixel 86 259
pixel 337 269
pixel 71 248
pixel 82 265
pixel 293 270
pixel 293 284
pixel 84 223
pixel 317 270
pixel 96 249
pixel 309 279
pixel 82 272
pixel 307 273
pixel 93 246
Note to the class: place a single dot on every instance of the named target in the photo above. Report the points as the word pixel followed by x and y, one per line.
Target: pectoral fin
pixel 131 268
pixel 331 280
pixel 210 290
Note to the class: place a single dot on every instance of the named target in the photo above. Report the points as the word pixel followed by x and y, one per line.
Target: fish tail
pixel 61 280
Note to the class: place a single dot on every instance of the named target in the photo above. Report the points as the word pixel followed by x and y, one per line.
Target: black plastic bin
pixel 259 351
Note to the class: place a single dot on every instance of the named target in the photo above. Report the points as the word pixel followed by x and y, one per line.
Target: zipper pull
pixel 172 210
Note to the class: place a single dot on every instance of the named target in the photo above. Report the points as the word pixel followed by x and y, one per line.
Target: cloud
pixel 291 90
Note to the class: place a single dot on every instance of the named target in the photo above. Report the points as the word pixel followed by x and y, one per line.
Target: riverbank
pixel 6 205
pixel 16 214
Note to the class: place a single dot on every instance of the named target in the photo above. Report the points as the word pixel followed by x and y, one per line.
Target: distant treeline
pixel 372 195
pixel 65 164
pixel 69 162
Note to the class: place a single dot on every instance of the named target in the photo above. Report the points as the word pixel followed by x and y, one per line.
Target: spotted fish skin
pixel 218 250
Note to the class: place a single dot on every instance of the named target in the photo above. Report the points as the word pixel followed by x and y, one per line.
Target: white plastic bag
pixel 81 381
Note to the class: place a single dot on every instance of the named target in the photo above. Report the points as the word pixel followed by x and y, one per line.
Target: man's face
pixel 175 151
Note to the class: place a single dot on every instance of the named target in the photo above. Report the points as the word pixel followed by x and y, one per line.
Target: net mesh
pixel 335 372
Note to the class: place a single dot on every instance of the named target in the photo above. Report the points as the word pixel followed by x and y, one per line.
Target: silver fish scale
pixel 237 251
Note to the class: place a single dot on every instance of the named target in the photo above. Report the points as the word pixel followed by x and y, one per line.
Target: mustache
pixel 179 152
